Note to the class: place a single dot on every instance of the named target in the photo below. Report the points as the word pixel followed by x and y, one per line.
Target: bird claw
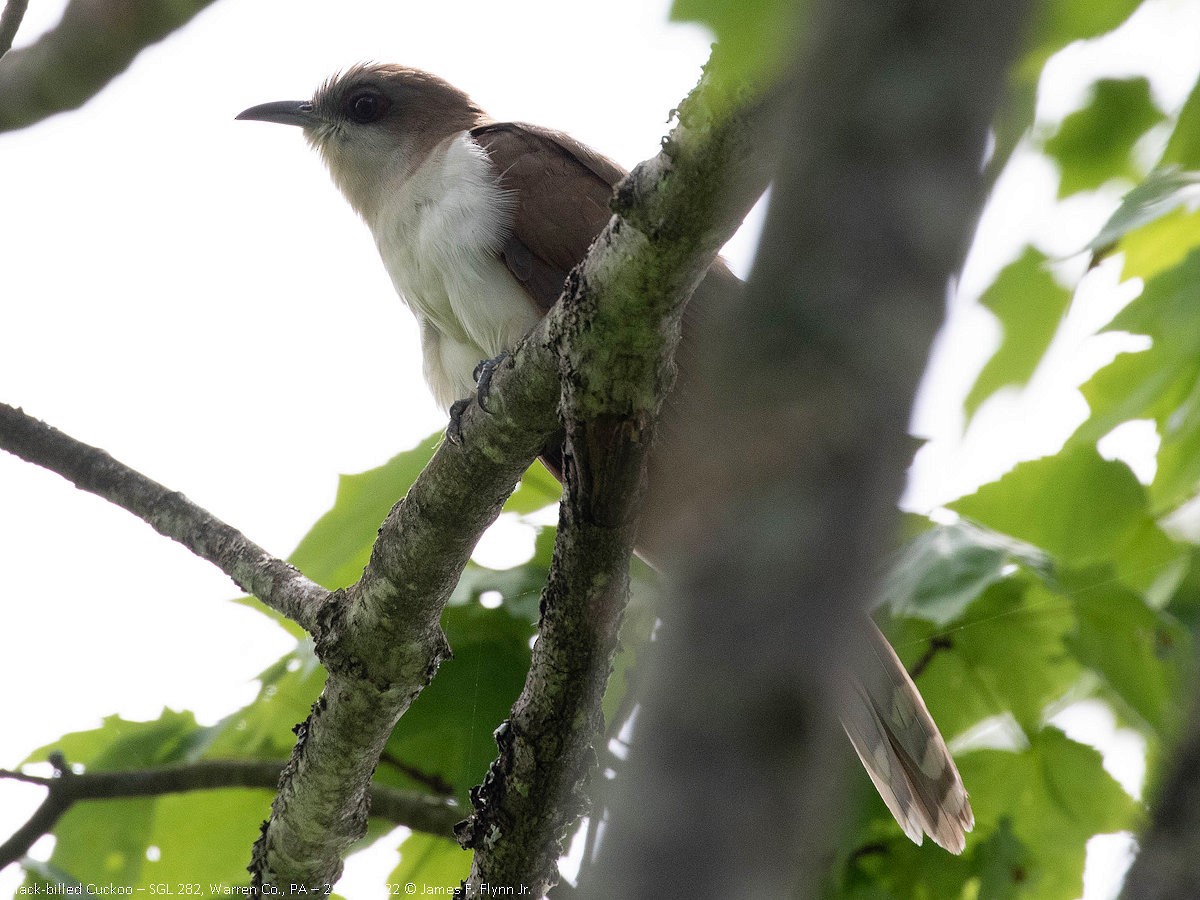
pixel 454 426
pixel 483 384
pixel 483 377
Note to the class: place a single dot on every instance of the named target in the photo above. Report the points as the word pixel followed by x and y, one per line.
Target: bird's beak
pixel 283 112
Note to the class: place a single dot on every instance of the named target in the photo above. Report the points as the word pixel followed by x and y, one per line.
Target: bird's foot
pixel 454 426
pixel 483 384
pixel 483 377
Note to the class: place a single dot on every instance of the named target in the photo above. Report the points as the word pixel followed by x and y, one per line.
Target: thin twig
pixel 937 643
pixel 39 780
pixel 431 780
pixel 255 571
pixel 415 809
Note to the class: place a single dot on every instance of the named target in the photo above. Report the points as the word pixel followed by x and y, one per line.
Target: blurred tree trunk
pixel 799 449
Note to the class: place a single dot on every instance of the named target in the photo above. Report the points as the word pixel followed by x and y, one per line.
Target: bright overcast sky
pixel 191 294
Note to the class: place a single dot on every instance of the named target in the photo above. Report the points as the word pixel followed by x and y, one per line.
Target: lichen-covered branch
pixel 381 640
pixel 615 333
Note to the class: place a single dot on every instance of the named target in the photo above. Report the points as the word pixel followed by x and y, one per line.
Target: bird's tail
pixel 903 751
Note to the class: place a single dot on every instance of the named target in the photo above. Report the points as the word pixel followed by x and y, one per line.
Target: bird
pixel 478 223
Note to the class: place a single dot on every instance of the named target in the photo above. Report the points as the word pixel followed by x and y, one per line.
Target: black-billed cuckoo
pixel 478 223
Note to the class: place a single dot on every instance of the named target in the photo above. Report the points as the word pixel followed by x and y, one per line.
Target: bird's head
pixel 375 123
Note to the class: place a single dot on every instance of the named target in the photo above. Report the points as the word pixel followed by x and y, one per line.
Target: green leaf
pixel 537 490
pixel 1061 22
pixel 338 546
pixel 1144 655
pixel 1162 191
pixel 1161 383
pixel 1095 144
pixel 1054 796
pixel 1029 304
pixel 433 866
pixel 1003 863
pixel 520 586
pixel 447 733
pixel 106 842
pixel 1179 455
pixel 201 836
pixel 1017 625
pixel 1134 385
pixel 1184 602
pixel 1151 564
pixel 1056 24
pixel 751 34
pixel 1160 244
pixel 1077 506
pixel 946 568
pixel 1183 149
pixel 263 728
pixel 885 865
pixel 121 744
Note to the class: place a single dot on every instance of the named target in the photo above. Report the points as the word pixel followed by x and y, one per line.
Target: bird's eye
pixel 364 107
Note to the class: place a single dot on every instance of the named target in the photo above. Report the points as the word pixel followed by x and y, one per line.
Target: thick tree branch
pixel 168 512
pixel 92 44
pixel 791 468
pixel 615 333
pixel 417 810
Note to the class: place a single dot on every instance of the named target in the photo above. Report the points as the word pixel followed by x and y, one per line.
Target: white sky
pixel 191 294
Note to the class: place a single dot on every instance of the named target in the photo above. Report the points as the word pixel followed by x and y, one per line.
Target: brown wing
pixel 562 190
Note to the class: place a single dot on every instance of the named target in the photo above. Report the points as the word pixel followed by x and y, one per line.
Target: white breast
pixel 439 232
